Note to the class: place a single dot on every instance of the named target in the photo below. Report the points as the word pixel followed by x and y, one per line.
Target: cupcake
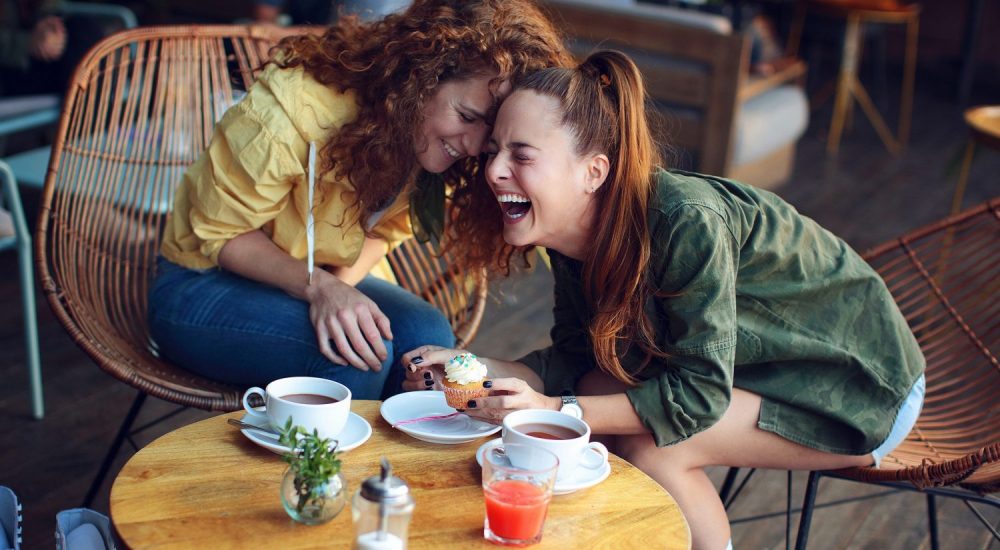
pixel 463 380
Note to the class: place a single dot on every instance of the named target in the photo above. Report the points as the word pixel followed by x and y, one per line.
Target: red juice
pixel 515 509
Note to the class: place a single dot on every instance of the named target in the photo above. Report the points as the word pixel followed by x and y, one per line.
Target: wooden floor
pixel 866 196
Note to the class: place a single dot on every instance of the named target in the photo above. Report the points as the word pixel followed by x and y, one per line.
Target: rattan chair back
pixel 946 280
pixel 140 109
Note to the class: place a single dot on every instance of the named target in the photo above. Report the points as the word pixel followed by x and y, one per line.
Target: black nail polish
pixel 487 383
pixel 471 404
pixel 429 388
pixel 427 375
pixel 417 360
pixel 428 382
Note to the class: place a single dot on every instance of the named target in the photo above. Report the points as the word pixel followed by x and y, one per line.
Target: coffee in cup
pixel 565 436
pixel 313 403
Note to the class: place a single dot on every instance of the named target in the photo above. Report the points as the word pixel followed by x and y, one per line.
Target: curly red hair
pixel 394 66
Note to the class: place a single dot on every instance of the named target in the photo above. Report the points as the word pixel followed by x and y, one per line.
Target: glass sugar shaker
pixel 381 511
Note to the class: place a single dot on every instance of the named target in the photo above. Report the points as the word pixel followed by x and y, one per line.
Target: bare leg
pixel 735 440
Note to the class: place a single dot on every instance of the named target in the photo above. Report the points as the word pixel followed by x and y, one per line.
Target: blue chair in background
pixel 20 239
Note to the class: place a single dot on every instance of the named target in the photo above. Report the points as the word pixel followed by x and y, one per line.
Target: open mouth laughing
pixel 514 206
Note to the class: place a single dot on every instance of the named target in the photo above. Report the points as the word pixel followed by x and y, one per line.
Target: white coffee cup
pixel 572 446
pixel 313 403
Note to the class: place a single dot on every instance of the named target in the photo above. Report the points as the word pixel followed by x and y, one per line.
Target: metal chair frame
pixel 21 240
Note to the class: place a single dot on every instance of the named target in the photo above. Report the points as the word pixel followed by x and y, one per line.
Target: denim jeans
pixel 232 329
pixel 905 420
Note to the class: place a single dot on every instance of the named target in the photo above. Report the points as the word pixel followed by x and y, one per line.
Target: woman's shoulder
pixel 676 192
pixel 706 200
pixel 309 107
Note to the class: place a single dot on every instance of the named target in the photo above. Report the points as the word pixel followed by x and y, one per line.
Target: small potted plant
pixel 313 491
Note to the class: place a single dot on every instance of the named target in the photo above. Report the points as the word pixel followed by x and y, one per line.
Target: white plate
pixel 356 431
pixel 449 431
pixel 582 478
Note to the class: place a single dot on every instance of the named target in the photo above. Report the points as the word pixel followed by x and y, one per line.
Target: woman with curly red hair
pixel 387 104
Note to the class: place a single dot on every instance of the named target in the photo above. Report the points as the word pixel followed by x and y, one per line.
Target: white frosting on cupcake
pixel 464 368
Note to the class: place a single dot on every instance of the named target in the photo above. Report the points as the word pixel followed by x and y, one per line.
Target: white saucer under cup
pixel 328 418
pixel 355 433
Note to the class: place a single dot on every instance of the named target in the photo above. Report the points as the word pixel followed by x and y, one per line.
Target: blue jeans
pixel 231 329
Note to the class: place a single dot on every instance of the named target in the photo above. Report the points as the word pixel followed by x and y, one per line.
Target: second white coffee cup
pixel 565 436
pixel 313 403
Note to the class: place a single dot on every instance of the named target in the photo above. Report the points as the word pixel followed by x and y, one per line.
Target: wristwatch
pixel 570 405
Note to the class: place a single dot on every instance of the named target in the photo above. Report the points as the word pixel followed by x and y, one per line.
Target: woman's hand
pixel 341 313
pixel 506 396
pixel 425 367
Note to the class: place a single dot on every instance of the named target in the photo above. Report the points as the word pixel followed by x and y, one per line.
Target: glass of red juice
pixel 517 497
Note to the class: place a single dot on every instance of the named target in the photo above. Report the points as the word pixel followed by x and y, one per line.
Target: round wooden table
pixel 207 486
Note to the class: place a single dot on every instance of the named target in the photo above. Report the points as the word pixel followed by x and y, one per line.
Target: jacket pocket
pixel 748 347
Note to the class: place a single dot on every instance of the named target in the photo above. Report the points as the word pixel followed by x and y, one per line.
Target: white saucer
pixel 582 478
pixel 356 431
pixel 448 431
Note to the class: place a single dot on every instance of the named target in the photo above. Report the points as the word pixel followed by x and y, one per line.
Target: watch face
pixel 572 409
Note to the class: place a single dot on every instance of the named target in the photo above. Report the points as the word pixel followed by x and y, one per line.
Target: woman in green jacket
pixel 701 321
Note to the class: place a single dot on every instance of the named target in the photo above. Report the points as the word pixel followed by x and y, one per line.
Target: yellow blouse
pixel 254 176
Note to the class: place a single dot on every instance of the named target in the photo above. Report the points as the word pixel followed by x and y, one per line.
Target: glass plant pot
pixel 314 505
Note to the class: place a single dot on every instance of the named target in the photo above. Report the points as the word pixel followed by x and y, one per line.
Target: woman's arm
pixel 255 256
pixel 372 252
pixel 338 311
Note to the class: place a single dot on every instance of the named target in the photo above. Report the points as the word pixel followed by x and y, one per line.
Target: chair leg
pixel 808 504
pixel 932 520
pixel 845 81
pixel 116 445
pixel 909 75
pixel 31 329
pixel 727 484
pixel 788 513
pixel 963 176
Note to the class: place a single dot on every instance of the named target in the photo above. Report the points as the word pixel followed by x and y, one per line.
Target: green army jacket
pixel 749 293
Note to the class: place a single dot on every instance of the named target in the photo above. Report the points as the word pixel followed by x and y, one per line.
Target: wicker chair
pixel 946 279
pixel 141 108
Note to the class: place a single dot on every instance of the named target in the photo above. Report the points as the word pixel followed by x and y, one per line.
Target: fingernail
pixel 417 360
pixel 427 375
pixel 487 383
pixel 428 382
pixel 428 388
pixel 412 368
pixel 471 404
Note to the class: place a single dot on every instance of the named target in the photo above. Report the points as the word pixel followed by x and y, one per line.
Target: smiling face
pixel 545 189
pixel 454 123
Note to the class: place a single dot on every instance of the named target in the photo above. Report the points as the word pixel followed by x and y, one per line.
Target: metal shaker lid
pixel 385 487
